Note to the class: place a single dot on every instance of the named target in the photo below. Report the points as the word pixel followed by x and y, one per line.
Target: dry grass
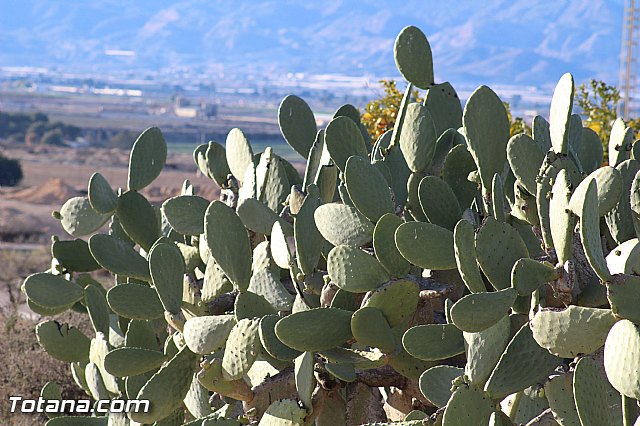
pixel 25 366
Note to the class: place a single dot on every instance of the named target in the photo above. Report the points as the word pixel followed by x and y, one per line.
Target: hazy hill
pixel 507 41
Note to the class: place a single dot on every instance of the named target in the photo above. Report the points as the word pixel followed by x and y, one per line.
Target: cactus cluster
pixel 446 274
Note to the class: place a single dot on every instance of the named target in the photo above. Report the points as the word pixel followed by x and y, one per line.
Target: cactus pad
pixel 342 224
pixel 484 349
pixel 229 243
pixel 52 291
pixel 78 218
pixel 343 139
pixel 412 54
pixel 118 257
pixel 426 245
pixel 353 270
pixel 438 202
pixel 297 124
pixel 207 334
pixel 560 114
pixel 498 247
pixel 418 138
pixel 239 153
pixel 242 349
pixel 368 189
pixel 101 196
pixel 433 342
pixel 122 362
pixel 435 383
pixel 573 331
pixel 477 312
pixel 592 392
pixel 522 364
pixel 385 248
pixel 135 301
pixel 185 213
pixel 468 407
pixel 63 342
pixel 147 159
pixel 370 328
pixel 396 299
pixel 621 360
pixel 315 330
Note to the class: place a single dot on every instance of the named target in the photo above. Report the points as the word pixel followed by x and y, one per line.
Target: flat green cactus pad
pixel 251 305
pixel 280 250
pixel 370 328
pixel 267 284
pixel 122 362
pixel 622 359
pixel 118 257
pixel 527 275
pixel 439 202
pixel 167 270
pixel 522 364
pixel 385 248
pixel 342 224
pixel 397 300
pixel 304 377
pixel 592 393
pixel 297 124
pixel 426 245
pixel 572 331
pixel 465 252
pixel 561 219
pixel 435 383
pixel 308 240
pixel 138 219
pixel 620 141
pixel 101 197
pixel 215 163
pixel 242 349
pixel 620 219
pixel 590 151
pixel 560 114
pixel 412 54
pixel 52 291
pixel 270 341
pixel 486 127
pixel 368 189
pixel 185 213
pixel 343 139
pixel 559 393
pixel 140 334
pixel 525 158
pixel 96 304
pixel 147 159
pixel 78 218
pixel 207 334
pixel 443 104
pixel 239 153
pixel 63 342
pixel 609 186
pixel 258 217
pixel 498 247
pixel 167 388
pixel 590 231
pixel 229 243
pixel 479 311
pixel 433 342
pixel 272 182
pixel 484 350
pixel 458 164
pixel 418 138
pixel 285 412
pixel 468 407
pixel 354 270
pixel 623 292
pixel 135 301
pixel 74 255
pixel 315 329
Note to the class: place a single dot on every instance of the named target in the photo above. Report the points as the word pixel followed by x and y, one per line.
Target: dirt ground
pixel 53 175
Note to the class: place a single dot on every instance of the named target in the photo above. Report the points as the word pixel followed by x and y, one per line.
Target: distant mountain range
pixel 519 42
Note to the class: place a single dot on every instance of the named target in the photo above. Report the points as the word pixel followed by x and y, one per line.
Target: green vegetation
pixel 10 171
pixel 34 129
pixel 475 275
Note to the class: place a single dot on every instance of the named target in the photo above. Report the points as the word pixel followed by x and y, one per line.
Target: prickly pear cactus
pixel 445 274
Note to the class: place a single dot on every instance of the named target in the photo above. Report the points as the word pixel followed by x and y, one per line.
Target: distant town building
pixel 183 108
